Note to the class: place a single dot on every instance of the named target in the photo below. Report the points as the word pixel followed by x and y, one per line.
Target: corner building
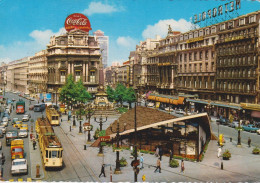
pixel 76 53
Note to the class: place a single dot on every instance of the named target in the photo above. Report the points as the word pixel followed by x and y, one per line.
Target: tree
pixel 110 93
pixel 68 92
pixel 82 95
pixel 119 93
pixel 130 96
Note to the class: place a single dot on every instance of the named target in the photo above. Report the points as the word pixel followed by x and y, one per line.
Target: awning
pixel 197 101
pixel 255 114
pixel 180 100
pixel 151 97
pixel 254 107
pixel 226 105
pixel 175 102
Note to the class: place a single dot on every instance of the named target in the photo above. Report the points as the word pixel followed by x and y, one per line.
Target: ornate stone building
pixel 76 53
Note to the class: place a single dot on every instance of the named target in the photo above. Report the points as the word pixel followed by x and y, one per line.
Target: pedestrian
pixel 34 144
pixel 171 155
pixel 219 151
pixel 249 142
pixel 160 153
pixel 143 178
pixel 156 151
pixel 158 166
pixel 182 166
pixel 102 170
pixel 142 161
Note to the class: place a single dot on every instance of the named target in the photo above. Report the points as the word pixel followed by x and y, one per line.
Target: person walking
pixel 158 166
pixel 34 144
pixel 182 166
pixel 142 161
pixel 156 151
pixel 219 151
pixel 102 171
pixel 249 142
pixel 171 155
pixel 160 153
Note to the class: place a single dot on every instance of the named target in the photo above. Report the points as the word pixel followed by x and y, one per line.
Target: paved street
pixel 84 165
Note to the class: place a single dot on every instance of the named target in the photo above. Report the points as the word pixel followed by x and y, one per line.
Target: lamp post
pixel 135 150
pixel 238 135
pixel 117 170
pixel 100 121
pixel 90 112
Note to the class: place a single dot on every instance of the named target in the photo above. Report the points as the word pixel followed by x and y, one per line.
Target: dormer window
pixel 190 35
pixel 241 21
pixel 213 29
pixel 207 31
pixel 222 27
pixel 201 33
pixel 252 19
pixel 230 24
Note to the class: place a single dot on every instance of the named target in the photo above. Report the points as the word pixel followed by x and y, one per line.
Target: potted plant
pixel 174 163
pixel 122 162
pixel 256 150
pixel 226 155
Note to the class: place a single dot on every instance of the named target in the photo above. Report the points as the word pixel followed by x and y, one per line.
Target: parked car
pixel 250 128
pixel 23 133
pixel 17 124
pixel 31 107
pixel 1 136
pixel 3 128
pixel 25 117
pixel 8 116
pixel 179 111
pixel 150 104
pixel 235 124
pixel 223 121
pixel 168 109
pixel 19 166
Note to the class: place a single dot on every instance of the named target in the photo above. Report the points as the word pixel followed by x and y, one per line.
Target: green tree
pixel 110 93
pixel 119 93
pixel 130 96
pixel 82 95
pixel 68 92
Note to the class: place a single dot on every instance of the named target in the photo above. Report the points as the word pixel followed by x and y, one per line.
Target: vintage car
pixel 250 128
pixel 223 121
pixel 26 117
pixel 19 166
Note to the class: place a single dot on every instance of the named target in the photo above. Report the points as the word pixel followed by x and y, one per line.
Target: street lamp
pixel 135 150
pixel 89 113
pixel 117 170
pixel 100 121
pixel 238 135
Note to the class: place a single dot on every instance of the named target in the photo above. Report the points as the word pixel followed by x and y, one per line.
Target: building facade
pixel 103 42
pixel 76 53
pixel 38 73
pixel 17 75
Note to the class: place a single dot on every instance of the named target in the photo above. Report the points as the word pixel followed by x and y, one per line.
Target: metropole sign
pixel 212 13
pixel 77 21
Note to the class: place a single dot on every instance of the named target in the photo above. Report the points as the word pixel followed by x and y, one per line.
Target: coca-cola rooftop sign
pixel 77 21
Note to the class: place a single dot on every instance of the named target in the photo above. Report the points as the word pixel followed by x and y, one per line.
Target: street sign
pixel 87 128
pixel 102 133
pixel 104 139
pixel 86 124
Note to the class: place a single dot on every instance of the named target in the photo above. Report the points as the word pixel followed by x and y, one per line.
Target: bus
pixel 20 107
pixel 9 136
pixel 39 107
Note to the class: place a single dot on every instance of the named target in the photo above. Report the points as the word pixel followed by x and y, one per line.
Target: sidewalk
pixel 243 165
pixel 35 159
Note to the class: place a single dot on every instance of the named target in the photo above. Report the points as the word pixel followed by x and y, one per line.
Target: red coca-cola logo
pixel 77 21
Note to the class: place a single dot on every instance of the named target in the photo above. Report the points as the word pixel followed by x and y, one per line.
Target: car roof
pixel 19 160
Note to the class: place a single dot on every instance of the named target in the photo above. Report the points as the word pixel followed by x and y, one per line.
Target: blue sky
pixel 26 25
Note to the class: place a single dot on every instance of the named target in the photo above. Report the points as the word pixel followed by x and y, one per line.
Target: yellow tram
pixel 51 148
pixel 53 116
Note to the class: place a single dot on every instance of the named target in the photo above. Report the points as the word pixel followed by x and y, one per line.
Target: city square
pixel 84 102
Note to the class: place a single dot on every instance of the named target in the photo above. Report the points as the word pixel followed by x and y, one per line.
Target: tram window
pixel 46 153
pixel 61 153
pixel 54 154
pixel 49 154
pixel 58 154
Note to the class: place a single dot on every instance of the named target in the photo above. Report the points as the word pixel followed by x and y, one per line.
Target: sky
pixel 27 25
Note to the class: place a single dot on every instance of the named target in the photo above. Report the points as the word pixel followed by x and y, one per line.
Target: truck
pixel 10 135
pixel 17 149
pixel 20 107
pixel 250 128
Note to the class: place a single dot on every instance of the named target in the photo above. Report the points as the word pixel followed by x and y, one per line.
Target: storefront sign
pixel 77 21
pixel 104 138
pixel 228 7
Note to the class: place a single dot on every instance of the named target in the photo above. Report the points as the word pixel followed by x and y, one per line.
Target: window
pixel 213 29
pixel 241 21
pixel 206 84
pixel 92 77
pixel 222 27
pixel 207 67
pixel 201 33
pixel 77 76
pixel 212 84
pixel 54 154
pixel 77 50
pixel 195 84
pixel 200 67
pixel 201 55
pixel 207 31
pixel 62 76
pixel 62 42
pixel 207 54
pixel 230 24
pixel 252 19
pixel 190 35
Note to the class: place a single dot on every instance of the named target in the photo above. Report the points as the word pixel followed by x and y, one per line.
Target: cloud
pixel 99 7
pixel 127 42
pixel 27 48
pixel 161 27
